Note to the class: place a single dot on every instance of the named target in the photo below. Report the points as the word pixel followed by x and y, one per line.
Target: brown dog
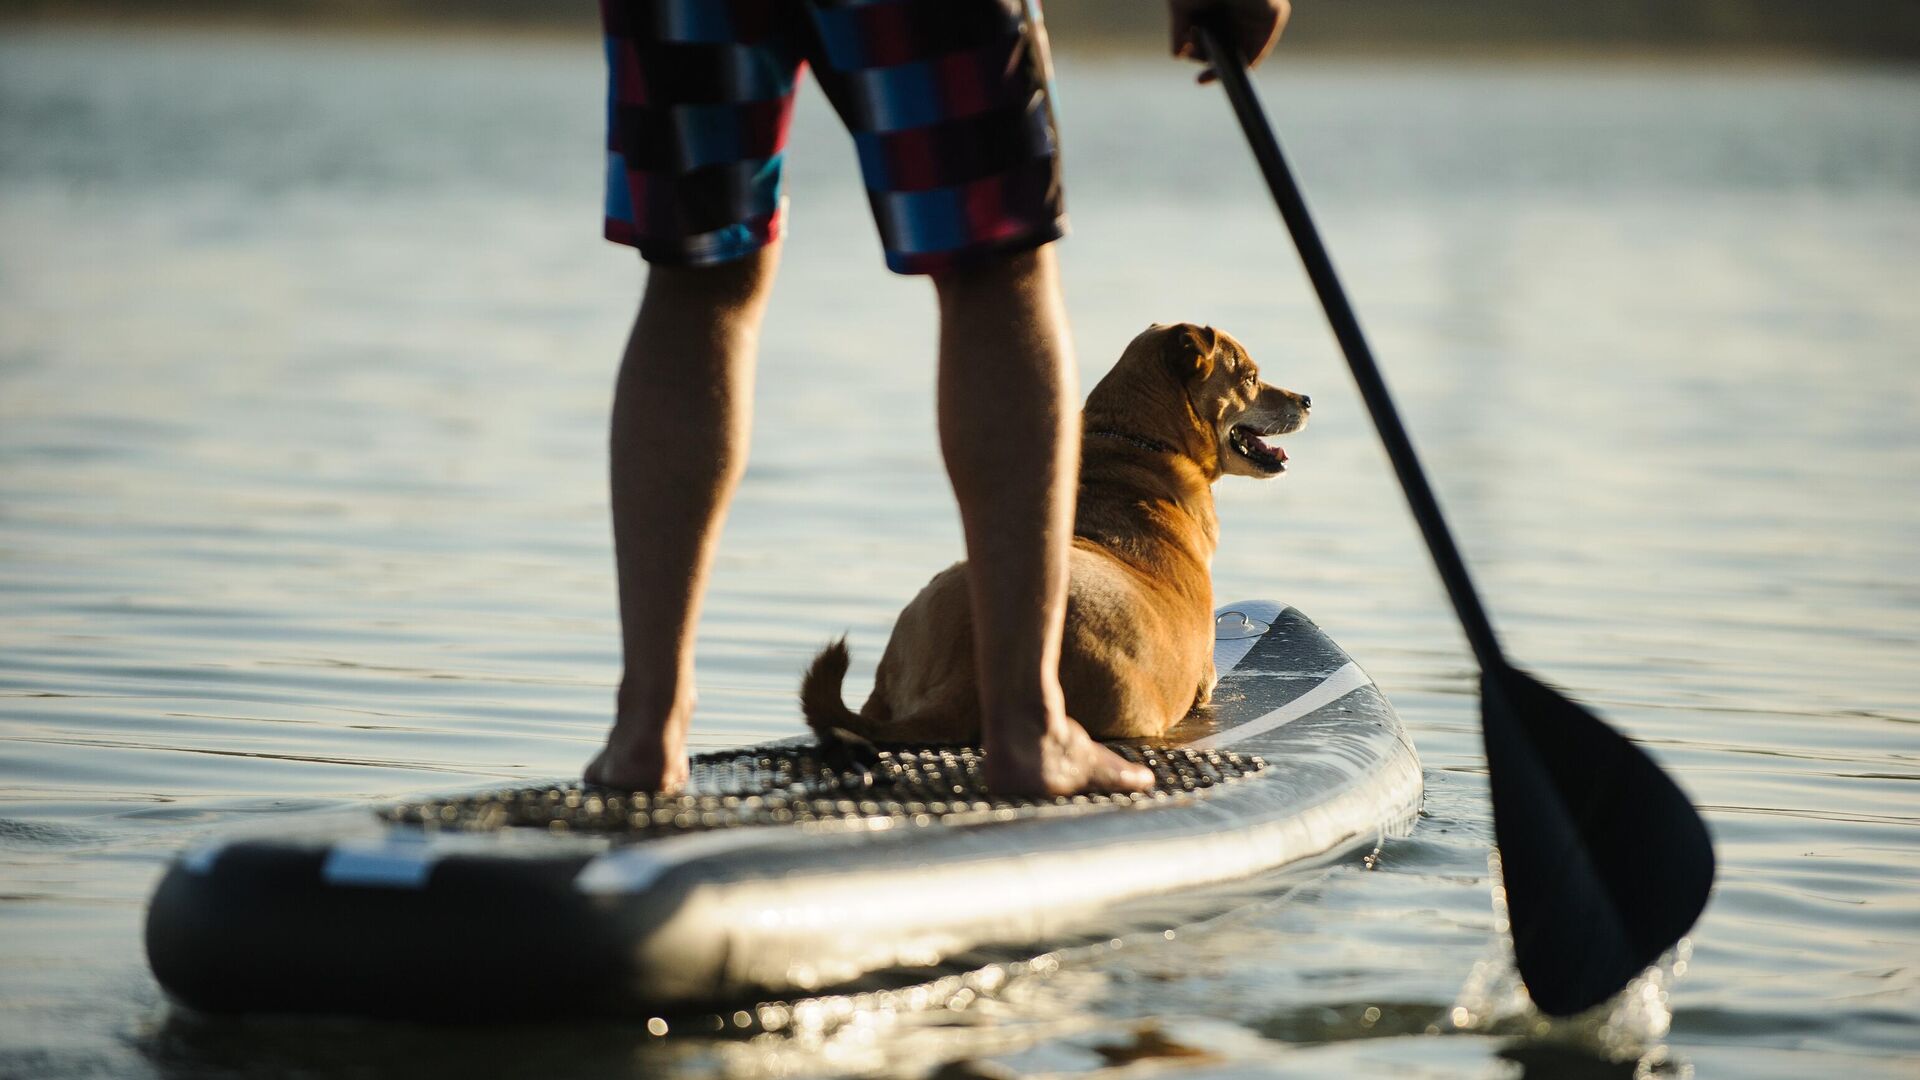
pixel 1184 406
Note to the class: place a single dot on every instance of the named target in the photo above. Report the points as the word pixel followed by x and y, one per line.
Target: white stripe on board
pixel 200 858
pixel 400 859
pixel 1331 689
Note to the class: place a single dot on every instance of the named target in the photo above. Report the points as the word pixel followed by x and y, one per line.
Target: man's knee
pixel 736 286
pixel 992 278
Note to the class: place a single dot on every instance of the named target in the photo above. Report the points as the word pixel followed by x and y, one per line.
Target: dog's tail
pixel 842 731
pixel 836 726
pixel 820 700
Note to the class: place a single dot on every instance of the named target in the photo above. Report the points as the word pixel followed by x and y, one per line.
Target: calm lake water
pixel 306 345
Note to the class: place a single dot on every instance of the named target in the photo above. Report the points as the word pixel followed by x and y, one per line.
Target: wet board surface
pixel 784 869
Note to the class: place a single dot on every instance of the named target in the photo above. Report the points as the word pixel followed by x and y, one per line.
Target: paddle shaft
pixel 1346 328
pixel 1606 861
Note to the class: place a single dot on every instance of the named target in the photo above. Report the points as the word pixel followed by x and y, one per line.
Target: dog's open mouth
pixel 1249 444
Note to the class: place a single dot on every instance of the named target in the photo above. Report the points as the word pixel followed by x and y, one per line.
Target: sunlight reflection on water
pixel 305 349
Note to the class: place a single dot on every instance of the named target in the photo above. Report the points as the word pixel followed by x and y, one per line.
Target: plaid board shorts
pixel 947 102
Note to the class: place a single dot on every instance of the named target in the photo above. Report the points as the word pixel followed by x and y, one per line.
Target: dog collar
pixel 1140 441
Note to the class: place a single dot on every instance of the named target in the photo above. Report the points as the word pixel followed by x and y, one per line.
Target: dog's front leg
pixel 1208 680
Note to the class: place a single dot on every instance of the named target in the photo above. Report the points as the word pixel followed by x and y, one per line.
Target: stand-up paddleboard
pixel 786 868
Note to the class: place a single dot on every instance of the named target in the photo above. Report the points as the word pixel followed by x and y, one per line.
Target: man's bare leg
pixel 1009 429
pixel 682 411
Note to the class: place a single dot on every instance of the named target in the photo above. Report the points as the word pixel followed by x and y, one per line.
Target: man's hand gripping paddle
pixel 1606 862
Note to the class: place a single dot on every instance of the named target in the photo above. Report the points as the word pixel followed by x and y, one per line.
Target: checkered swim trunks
pixel 947 102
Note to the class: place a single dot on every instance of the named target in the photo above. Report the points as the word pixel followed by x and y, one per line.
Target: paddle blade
pixel 1606 861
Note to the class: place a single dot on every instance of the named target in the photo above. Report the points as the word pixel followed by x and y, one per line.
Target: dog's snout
pixel 1306 402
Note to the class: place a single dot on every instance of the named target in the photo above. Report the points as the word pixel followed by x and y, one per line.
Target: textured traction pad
pixel 800 784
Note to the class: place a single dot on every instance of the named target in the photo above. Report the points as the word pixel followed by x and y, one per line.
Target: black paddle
pixel 1606 862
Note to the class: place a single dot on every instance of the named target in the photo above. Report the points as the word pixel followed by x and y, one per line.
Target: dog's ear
pixel 1190 351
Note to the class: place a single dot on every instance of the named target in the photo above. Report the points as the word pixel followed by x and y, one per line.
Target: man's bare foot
pixel 1064 760
pixel 642 756
pixel 655 771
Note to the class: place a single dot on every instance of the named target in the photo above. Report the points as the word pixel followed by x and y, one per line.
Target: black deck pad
pixel 802 783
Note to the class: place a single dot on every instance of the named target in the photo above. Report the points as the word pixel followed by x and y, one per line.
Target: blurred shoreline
pixel 1655 30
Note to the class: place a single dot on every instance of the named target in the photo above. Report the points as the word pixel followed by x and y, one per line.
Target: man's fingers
pixel 1259 32
pixel 1252 29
